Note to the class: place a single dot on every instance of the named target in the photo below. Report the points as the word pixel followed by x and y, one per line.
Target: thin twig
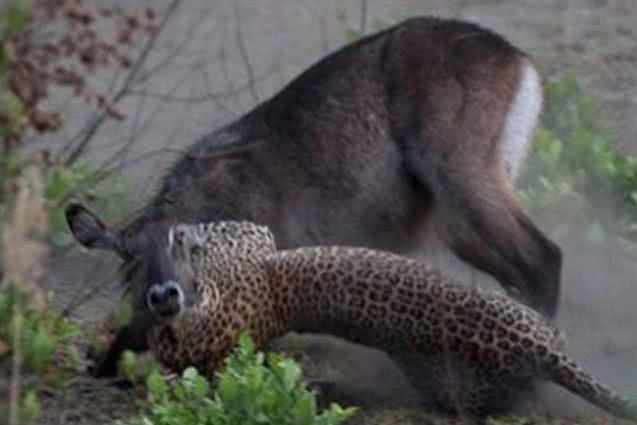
pixel 363 17
pixel 207 97
pixel 73 140
pixel 16 365
pixel 104 173
pixel 225 72
pixel 218 101
pixel 93 126
pixel 166 60
pixel 244 54
pixel 136 129
pixel 140 127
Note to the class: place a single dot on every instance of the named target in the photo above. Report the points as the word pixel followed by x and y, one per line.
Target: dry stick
pixel 244 53
pixel 16 365
pixel 202 98
pixel 104 171
pixel 225 72
pixel 165 61
pixel 363 17
pixel 325 44
pixel 223 60
pixel 101 175
pixel 92 127
pixel 137 128
pixel 72 140
pixel 217 101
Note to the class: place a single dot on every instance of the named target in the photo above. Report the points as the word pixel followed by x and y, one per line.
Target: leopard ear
pixel 184 238
pixel 91 232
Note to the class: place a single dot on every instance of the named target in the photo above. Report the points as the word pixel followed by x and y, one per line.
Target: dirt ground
pixel 594 38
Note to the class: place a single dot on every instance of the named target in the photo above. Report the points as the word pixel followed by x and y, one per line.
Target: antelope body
pixel 418 130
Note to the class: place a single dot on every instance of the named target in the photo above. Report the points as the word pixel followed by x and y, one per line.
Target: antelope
pixel 417 131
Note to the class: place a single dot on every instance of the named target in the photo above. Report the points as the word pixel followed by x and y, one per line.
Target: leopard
pixel 199 286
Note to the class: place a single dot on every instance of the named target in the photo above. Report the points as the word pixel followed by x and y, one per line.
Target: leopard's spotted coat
pixel 468 348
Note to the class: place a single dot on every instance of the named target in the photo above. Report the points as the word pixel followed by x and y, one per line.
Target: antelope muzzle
pixel 165 299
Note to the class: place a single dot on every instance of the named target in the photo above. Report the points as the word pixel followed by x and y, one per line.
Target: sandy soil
pixel 595 38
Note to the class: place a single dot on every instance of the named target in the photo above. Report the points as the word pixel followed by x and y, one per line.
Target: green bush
pixel 577 182
pixel 13 20
pixel 136 368
pixel 43 339
pixel 248 393
pixel 42 333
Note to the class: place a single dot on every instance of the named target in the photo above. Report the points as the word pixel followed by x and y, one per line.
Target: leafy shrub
pixel 43 339
pixel 248 392
pixel 137 369
pixel 42 332
pixel 576 181
pixel 13 120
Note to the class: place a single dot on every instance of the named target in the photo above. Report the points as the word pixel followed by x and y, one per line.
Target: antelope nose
pixel 164 299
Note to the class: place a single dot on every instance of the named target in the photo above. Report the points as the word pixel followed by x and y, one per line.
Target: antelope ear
pixel 91 232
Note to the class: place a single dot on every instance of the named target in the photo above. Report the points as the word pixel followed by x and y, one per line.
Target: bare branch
pixel 104 172
pixel 140 127
pixel 91 121
pixel 363 17
pixel 218 101
pixel 244 53
pixel 223 61
pixel 147 74
pixel 15 386
pixel 89 131
pixel 136 128
pixel 207 97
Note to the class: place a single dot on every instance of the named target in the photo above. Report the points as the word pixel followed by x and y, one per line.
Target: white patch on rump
pixel 517 133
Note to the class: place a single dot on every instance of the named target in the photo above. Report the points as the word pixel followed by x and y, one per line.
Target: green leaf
pixel 248 393
pixel 30 406
pixel 228 387
pixel 128 364
pixel 190 374
pixel 156 385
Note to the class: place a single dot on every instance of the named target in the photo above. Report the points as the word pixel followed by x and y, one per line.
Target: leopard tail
pixel 571 376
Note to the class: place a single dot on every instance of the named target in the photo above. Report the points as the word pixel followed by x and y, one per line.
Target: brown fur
pixel 377 144
pixel 389 136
